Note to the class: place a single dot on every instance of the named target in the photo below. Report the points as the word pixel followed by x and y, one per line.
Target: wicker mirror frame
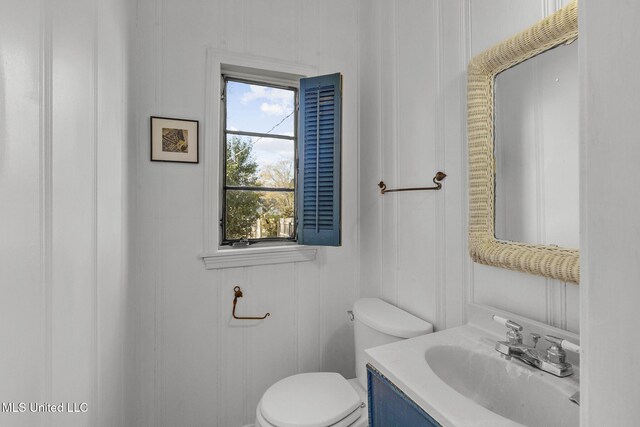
pixel 549 261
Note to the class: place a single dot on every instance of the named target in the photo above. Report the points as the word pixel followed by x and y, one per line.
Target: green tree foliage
pixel 243 207
pixel 276 205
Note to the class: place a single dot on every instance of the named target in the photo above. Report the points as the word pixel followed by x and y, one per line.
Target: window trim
pixel 213 255
pixel 292 85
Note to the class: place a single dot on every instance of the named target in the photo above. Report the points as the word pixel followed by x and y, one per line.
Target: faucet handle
pixel 568 345
pixel 562 343
pixel 506 322
pixel 556 353
pixel 513 335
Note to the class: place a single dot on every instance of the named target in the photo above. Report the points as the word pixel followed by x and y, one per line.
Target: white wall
pixel 63 114
pixel 610 199
pixel 413 109
pixel 191 365
pixel 413 245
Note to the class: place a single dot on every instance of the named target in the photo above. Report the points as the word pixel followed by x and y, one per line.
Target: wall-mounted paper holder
pixel 238 294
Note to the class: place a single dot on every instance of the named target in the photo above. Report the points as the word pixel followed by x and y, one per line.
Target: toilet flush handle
pixel 350 314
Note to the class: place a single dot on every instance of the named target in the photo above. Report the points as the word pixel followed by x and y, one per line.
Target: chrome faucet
pixel 553 360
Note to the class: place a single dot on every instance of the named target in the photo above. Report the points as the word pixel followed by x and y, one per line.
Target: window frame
pixel 213 255
pixel 257 79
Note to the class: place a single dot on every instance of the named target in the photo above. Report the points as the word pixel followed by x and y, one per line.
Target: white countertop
pixel 404 363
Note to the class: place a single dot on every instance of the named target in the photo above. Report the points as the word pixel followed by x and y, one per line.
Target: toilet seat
pixel 319 399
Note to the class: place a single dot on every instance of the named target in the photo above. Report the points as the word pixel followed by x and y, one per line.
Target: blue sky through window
pixel 255 108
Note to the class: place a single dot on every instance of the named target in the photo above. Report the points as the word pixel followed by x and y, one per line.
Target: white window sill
pixel 243 257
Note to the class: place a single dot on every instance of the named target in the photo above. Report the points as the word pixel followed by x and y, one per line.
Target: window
pixel 281 160
pixel 259 134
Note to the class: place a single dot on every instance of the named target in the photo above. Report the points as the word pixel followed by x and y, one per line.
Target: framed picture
pixel 174 140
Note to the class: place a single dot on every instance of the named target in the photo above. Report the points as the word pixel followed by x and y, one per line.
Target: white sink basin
pixel 460 380
pixel 517 392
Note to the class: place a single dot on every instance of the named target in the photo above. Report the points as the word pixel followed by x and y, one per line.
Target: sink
pixel 460 380
pixel 508 388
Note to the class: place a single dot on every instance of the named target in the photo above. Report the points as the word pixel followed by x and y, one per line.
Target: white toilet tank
pixel 377 323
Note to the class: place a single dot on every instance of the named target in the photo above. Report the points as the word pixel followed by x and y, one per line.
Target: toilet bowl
pixel 327 399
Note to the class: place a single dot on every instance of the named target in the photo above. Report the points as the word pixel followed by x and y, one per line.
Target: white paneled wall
pixel 404 256
pixel 63 186
pixel 192 364
pixel 413 58
pixel 413 245
pixel 609 63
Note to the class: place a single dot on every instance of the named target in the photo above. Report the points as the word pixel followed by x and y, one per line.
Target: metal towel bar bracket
pixel 238 294
pixel 436 180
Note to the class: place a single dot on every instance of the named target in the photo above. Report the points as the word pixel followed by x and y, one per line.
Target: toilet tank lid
pixel 389 319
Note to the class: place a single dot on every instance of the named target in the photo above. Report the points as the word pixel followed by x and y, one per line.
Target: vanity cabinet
pixel 390 407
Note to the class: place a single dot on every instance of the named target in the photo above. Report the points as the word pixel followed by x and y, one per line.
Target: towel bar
pixel 436 180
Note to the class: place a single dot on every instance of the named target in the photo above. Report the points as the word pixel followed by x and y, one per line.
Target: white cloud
pixel 255 92
pixel 271 150
pixel 273 109
pixel 275 101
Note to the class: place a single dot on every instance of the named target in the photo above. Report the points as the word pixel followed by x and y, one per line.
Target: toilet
pixel 327 399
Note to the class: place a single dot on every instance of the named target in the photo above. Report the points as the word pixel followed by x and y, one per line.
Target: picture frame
pixel 174 140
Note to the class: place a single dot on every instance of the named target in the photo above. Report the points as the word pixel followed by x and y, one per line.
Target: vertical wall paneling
pixel 93 158
pixel 63 110
pixel 356 288
pixel 394 131
pixel 45 196
pixel 370 156
pixel 378 88
pixel 281 330
pixel 455 257
pixel 423 255
pixel 388 110
pixel 466 27
pixel 73 217
pixel 309 321
pixel 555 294
pixel 439 138
pixel 143 392
pixel 417 108
pixel 417 235
pixel 234 355
pixel 193 365
pixel 160 409
pixel 609 292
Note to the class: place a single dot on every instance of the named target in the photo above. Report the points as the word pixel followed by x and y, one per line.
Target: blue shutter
pixel 319 161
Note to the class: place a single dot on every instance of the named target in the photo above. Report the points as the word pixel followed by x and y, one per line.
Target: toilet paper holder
pixel 238 294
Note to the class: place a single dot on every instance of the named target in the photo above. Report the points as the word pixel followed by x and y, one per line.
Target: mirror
pixel 536 150
pixel 522 245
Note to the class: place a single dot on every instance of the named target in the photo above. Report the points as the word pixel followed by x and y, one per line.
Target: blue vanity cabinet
pixel 390 407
